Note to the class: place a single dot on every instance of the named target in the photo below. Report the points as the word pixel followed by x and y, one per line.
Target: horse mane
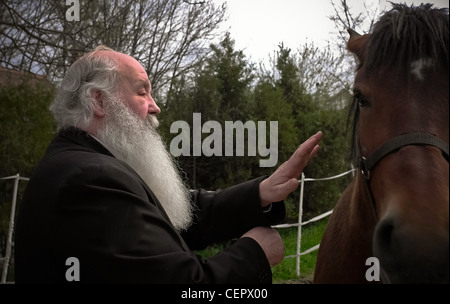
pixel 401 36
pixel 406 34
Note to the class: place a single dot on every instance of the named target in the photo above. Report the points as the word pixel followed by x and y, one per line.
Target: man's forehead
pixel 127 66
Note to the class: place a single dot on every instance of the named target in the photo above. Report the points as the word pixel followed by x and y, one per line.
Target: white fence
pixel 300 222
pixel 10 244
pixel 9 241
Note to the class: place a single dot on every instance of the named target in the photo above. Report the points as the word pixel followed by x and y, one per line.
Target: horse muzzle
pixel 408 256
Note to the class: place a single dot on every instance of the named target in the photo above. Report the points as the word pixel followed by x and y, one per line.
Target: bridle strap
pixel 398 142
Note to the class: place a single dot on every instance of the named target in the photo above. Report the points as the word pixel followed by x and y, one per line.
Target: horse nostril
pixel 383 238
pixel 406 254
pixel 388 248
pixel 385 234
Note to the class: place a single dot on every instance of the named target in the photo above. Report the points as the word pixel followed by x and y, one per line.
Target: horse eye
pixel 361 100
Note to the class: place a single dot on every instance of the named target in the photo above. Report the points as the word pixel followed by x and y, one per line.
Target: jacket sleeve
pixel 105 218
pixel 229 213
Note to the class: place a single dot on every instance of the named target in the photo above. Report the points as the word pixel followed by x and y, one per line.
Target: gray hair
pixel 74 105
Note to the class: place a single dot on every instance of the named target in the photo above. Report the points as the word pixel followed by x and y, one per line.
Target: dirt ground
pixel 306 280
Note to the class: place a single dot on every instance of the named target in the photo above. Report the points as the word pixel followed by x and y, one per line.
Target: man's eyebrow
pixel 143 82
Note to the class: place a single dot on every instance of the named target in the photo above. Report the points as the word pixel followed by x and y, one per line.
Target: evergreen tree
pixel 219 91
pixel 27 128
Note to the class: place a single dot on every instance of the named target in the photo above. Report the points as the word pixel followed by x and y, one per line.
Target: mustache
pixel 152 121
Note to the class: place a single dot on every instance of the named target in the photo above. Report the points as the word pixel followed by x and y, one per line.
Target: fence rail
pixel 17 178
pixel 300 222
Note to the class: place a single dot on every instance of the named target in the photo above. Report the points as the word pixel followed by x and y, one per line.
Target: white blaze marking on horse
pixel 418 66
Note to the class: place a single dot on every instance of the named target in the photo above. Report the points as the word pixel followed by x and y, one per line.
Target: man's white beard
pixel 137 142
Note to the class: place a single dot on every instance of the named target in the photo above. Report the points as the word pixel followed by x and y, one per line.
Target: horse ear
pixel 353 33
pixel 357 44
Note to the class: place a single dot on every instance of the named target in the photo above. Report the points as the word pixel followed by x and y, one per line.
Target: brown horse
pixel 393 218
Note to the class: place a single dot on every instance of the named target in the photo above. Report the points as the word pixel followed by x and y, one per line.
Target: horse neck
pixel 358 218
pixel 347 242
pixel 361 207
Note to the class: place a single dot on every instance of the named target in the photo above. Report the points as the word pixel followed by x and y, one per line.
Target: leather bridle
pixel 408 139
pixel 367 163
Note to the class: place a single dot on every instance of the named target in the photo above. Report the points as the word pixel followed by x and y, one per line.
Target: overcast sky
pixel 258 26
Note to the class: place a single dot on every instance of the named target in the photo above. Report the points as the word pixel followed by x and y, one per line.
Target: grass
pixel 285 272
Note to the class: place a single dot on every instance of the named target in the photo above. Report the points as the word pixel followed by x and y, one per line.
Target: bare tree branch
pixel 167 37
pixel 194 3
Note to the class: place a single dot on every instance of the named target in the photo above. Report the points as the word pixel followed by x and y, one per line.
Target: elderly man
pixel 108 194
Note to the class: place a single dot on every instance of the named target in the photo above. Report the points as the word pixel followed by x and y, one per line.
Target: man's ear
pixel 98 98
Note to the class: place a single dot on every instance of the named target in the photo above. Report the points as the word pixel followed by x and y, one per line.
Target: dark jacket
pixel 82 202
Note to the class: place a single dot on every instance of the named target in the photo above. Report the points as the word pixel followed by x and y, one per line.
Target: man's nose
pixel 153 108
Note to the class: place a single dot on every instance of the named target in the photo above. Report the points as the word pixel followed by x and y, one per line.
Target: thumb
pixel 290 185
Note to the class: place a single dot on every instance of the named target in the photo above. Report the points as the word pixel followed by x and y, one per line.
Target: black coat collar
pixel 84 139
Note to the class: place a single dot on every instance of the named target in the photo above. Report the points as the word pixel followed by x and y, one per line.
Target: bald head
pixel 92 80
pixel 126 65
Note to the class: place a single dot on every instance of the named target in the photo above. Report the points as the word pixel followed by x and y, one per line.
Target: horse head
pixel 401 115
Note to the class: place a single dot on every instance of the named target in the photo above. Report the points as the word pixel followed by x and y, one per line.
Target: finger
pixel 284 189
pixel 314 151
pixel 304 152
pixel 309 145
pixel 293 184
